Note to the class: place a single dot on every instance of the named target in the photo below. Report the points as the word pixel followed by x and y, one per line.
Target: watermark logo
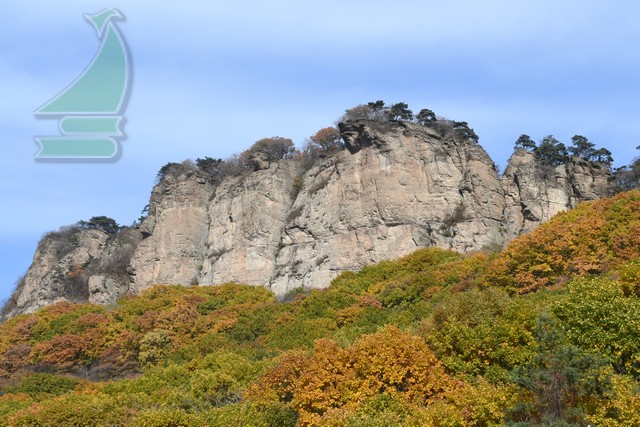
pixel 91 108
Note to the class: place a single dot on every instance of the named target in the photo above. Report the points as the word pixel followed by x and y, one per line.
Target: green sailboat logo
pixel 90 109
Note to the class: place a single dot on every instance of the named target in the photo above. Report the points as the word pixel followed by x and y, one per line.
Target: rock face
pixel 534 191
pixel 175 232
pixel 75 265
pixel 396 188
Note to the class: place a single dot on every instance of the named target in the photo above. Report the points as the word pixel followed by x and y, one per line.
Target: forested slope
pixel 547 332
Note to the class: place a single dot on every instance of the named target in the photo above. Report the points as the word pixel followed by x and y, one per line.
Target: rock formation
pixel 534 191
pixel 75 265
pixel 397 187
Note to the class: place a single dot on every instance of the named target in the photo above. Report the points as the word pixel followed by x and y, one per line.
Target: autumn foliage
pixel 543 333
pixel 331 377
pixel 590 239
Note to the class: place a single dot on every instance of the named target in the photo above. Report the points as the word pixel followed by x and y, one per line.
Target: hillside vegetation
pixel 546 332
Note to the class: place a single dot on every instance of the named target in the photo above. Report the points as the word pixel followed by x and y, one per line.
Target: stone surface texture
pixel 397 187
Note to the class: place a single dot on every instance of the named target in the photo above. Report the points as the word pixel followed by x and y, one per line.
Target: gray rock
pixel 534 191
pixel 104 290
pixel 398 187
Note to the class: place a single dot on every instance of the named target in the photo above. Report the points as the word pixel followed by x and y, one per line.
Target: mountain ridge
pixel 397 187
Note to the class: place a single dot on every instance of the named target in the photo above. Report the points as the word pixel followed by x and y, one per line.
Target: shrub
pixel 235 165
pixel 561 377
pixel 478 404
pixel 371 111
pixel 390 361
pixel 327 139
pixel 525 141
pixel 426 117
pixel 38 384
pixel 211 167
pixel 627 178
pixel 582 147
pixel 590 239
pixel 324 142
pixel 450 129
pixel 276 148
pixel 169 169
pixel 463 132
pixel 481 332
pixel 400 112
pixel 595 314
pixel 88 409
pixel 154 347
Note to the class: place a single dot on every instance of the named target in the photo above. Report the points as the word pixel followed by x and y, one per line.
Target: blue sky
pixel 212 77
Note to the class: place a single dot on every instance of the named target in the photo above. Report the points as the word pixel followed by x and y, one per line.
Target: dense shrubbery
pixel 434 338
pixel 588 240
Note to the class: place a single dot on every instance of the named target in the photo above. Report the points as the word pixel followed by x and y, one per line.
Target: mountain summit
pixel 397 186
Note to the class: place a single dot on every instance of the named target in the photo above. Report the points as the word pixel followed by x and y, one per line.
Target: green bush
pixel 596 315
pixel 36 385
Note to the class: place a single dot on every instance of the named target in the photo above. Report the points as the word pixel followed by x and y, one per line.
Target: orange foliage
pixel 64 336
pixel 347 315
pixel 391 362
pixel 589 239
pixel 62 350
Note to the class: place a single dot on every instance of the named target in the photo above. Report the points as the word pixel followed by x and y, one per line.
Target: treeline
pixel 554 152
pixel 324 142
pixel 327 141
pixel 400 112
pixel 627 177
pixel 545 332
pixel 264 151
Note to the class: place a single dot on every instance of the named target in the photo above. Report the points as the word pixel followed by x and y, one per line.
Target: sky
pixel 212 77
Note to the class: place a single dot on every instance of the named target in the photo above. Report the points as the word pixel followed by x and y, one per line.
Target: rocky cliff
pixel 397 187
pixel 534 191
pixel 75 265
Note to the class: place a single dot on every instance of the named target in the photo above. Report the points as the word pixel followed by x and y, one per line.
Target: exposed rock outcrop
pixel 535 191
pixel 397 187
pixel 175 232
pixel 75 265
pixel 400 187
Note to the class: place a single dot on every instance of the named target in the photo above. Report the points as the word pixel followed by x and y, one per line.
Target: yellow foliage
pixel 621 409
pixel 481 404
pixel 391 362
pixel 589 239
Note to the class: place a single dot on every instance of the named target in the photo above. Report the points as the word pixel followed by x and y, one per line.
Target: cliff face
pixel 75 265
pixel 398 187
pixel 203 234
pixel 534 191
pixel 174 233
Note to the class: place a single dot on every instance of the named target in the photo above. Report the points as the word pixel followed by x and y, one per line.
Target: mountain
pixel 395 188
pixel 544 332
